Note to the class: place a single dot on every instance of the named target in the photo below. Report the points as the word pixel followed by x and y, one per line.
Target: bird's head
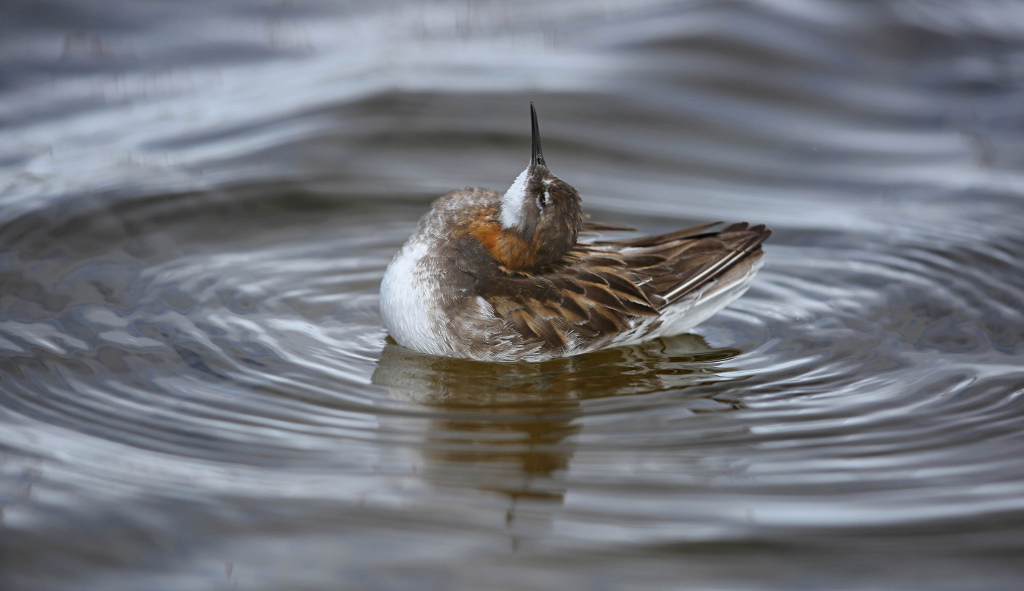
pixel 541 209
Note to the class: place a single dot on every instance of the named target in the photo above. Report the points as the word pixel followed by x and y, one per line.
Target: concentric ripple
pixel 196 390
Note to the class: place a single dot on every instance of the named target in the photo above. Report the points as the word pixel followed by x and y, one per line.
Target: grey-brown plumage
pixel 600 290
pixel 505 277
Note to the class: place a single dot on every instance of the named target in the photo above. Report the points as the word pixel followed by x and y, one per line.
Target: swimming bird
pixel 508 278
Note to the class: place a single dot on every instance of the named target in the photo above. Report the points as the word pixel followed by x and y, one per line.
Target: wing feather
pixel 603 288
pixel 594 227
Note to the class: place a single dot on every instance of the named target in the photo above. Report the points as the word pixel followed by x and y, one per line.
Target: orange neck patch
pixel 507 248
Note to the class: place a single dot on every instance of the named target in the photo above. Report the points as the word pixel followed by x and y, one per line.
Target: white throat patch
pixel 513 201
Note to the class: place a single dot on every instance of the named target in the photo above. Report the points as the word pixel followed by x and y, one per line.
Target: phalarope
pixel 504 277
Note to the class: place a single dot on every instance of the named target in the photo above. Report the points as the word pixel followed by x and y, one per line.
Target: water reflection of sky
pixel 197 201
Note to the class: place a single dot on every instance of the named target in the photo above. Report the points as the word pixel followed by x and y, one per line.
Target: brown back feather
pixel 598 289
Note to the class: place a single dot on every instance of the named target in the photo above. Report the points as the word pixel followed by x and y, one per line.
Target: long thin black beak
pixel 538 157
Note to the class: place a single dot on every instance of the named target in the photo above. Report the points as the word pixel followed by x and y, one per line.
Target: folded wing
pixel 607 287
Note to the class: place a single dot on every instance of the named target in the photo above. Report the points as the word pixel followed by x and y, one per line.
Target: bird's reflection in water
pixel 508 428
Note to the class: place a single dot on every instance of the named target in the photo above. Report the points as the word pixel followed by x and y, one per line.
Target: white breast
pixel 405 300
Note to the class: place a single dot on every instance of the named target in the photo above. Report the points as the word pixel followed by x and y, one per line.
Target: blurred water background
pixel 198 200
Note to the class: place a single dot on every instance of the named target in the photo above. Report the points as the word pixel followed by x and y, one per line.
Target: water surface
pixel 198 201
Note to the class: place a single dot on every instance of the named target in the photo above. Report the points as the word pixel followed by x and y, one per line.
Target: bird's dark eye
pixel 542 200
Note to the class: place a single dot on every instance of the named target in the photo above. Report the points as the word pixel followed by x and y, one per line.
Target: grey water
pixel 198 201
